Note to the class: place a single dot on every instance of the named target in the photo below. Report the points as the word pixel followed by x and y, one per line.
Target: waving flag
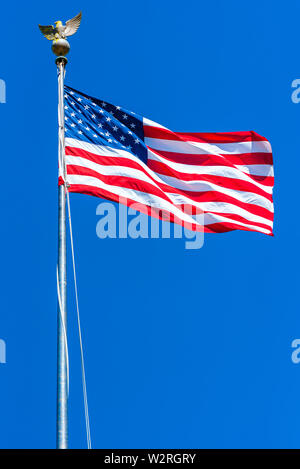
pixel 118 155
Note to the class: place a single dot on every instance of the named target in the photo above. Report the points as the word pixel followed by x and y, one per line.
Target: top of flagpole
pixel 58 33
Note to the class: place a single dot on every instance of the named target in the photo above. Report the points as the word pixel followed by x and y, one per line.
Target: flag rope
pixel 85 398
pixel 64 327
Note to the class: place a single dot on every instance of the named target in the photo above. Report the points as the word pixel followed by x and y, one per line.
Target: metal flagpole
pixel 60 47
pixel 62 368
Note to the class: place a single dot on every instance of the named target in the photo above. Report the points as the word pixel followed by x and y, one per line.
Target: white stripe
pixel 152 124
pixel 99 149
pixel 223 171
pixel 200 148
pixel 257 169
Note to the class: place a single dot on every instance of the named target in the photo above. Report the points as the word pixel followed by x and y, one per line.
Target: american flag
pixel 118 155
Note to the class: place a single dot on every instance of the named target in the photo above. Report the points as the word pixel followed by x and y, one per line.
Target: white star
pixel 118 108
pixel 80 121
pixel 107 134
pixel 103 104
pixel 122 138
pixel 79 131
pixel 109 140
pixel 66 107
pixel 87 128
pixel 73 125
pixel 79 99
pixel 72 103
pixel 136 140
pixel 132 126
pixel 71 92
pixel 73 114
pixel 100 125
pixel 125 117
pixel 130 133
pixel 108 119
pixel 115 128
pixel 111 113
pixel 93 116
pixel 66 118
pixel 101 111
pixel 94 135
pixel 129 147
pixel 66 95
pixel 86 107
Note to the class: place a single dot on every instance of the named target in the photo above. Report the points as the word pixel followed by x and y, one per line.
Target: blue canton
pixel 98 122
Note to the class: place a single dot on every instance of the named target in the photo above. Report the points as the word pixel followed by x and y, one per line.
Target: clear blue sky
pixel 184 349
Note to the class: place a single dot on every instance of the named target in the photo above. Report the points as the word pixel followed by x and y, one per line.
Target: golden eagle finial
pixel 58 34
pixel 61 31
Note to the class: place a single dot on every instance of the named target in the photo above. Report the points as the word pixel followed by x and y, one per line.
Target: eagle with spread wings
pixel 61 31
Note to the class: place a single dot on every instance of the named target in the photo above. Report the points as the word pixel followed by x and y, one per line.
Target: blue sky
pixel 184 349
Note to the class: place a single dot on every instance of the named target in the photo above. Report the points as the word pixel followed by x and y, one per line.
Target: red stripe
pixel 204 137
pixel 210 159
pixel 105 160
pixel 222 137
pixel 225 227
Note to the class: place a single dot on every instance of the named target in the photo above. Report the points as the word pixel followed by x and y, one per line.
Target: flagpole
pixel 62 362
pixel 61 47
